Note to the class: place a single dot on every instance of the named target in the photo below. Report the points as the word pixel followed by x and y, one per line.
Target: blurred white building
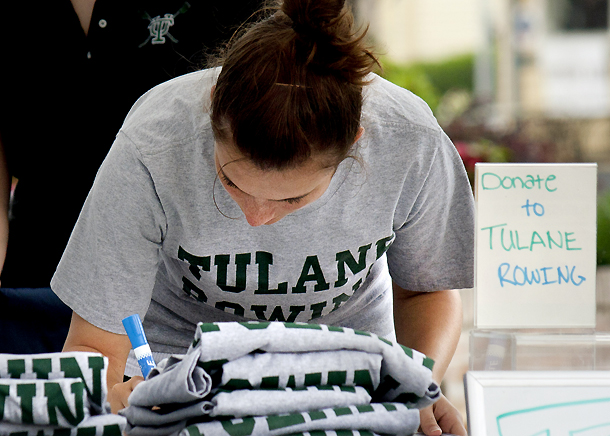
pixel 542 61
pixel 416 30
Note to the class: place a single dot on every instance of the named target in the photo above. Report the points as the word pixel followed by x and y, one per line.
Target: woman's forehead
pixel 270 184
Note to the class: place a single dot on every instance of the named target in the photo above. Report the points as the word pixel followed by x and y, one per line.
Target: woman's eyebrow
pixel 224 176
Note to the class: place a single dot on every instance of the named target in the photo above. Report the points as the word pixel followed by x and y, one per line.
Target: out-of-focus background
pixel 509 81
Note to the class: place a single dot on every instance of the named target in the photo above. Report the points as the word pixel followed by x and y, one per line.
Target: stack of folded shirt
pixel 275 378
pixel 56 394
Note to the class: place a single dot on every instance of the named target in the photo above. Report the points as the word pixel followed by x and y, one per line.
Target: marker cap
pixel 135 331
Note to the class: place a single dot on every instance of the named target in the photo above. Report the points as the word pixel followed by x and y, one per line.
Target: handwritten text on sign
pixel 535 245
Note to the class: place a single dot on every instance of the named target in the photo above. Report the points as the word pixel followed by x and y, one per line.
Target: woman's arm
pixel 84 336
pixel 431 322
pixel 5 195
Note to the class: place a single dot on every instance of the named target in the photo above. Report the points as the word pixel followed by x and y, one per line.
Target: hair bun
pixel 310 17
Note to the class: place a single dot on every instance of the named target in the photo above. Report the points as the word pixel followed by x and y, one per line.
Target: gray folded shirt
pixel 259 372
pixel 56 394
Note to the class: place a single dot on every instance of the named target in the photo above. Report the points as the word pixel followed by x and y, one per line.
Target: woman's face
pixel 267 196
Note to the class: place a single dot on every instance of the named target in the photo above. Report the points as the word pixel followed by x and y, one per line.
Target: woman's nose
pixel 258 212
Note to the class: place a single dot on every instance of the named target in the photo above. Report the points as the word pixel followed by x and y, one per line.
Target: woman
pixel 291 185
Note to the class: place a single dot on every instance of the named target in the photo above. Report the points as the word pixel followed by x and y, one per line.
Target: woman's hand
pixel 119 393
pixel 441 417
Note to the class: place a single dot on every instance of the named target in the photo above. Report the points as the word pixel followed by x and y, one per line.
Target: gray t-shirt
pixel 160 236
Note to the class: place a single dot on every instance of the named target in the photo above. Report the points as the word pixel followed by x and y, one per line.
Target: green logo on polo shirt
pixel 159 26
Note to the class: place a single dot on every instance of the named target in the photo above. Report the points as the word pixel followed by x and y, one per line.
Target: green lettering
pixel 71 369
pixel 263 260
pixel 365 408
pixel 546 183
pixel 259 311
pixel 190 289
pixel 277 314
pixel 362 377
pixel 316 310
pixel 193 430
pixel 553 242
pixel 340 411
pixel 512 242
pixel 239 427
pixel 241 261
pixel 337 378
pixel 316 415
pixel 491 230
pixel 15 368
pixel 26 392
pixel 568 240
pixel 517 238
pixel 281 421
pixel 291 325
pixel 111 430
pixel 270 382
pixel 57 402
pixel 196 263
pixel 382 246
pixel 340 299
pixel 345 258
pixel 534 241
pixel 42 368
pixel 311 263
pixel 4 392
pixel 208 327
pixel 313 379
pixel 97 365
pixel 224 305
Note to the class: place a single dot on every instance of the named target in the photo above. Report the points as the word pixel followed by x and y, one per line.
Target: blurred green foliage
pixel 603 229
pixel 432 80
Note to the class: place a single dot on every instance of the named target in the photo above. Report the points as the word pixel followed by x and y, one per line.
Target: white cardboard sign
pixel 535 245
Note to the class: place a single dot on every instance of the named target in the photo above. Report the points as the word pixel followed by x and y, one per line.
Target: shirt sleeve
pixel 434 245
pixel 108 268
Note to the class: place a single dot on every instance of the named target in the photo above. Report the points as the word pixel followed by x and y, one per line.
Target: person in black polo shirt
pixel 70 72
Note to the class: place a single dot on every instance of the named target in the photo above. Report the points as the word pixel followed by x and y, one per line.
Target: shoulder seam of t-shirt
pixel 165 146
pixel 418 105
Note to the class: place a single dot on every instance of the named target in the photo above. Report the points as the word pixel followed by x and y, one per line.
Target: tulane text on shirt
pixel 346 266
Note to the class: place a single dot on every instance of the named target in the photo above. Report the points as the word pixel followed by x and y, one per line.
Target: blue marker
pixel 135 331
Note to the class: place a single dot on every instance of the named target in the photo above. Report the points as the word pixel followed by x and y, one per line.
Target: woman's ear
pixel 359 134
pixel 212 92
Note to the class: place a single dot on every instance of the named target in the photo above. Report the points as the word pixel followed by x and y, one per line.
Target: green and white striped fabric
pixel 56 394
pixel 248 378
pixel 380 418
pixel 405 374
pixel 316 368
pixel 244 402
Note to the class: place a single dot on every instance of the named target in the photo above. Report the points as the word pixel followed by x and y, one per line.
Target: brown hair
pixel 291 86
